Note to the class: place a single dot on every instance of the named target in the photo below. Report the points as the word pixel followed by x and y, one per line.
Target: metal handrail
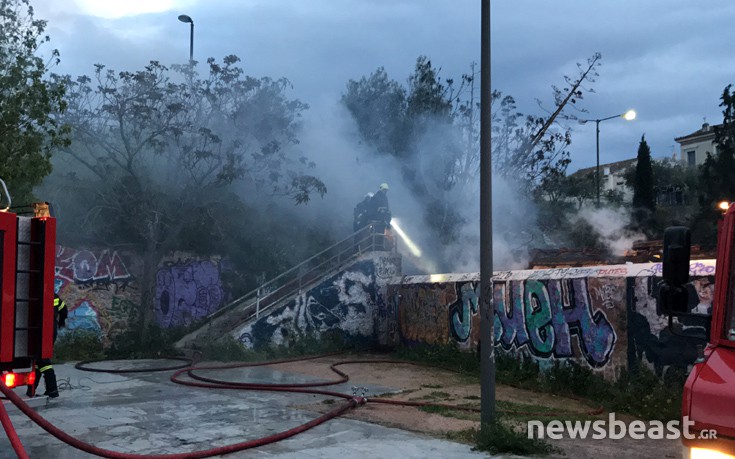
pixel 363 237
pixel 285 293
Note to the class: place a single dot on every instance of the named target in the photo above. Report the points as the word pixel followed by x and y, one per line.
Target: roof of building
pixel 614 167
pixel 705 131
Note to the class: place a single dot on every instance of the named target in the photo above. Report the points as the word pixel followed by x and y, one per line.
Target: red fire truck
pixel 27 256
pixel 709 393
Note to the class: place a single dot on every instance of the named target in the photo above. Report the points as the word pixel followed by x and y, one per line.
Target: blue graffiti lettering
pixel 545 314
pixel 463 309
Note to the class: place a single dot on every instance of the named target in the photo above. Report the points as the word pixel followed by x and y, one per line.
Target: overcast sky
pixel 668 59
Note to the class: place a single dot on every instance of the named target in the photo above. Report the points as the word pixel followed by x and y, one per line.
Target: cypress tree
pixel 643 197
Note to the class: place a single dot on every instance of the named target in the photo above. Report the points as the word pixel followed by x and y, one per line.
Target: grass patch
pixel 500 437
pixel 450 413
pixel 432 386
pixel 78 345
pixel 468 436
pixel 522 412
pixel 511 411
pixel 639 392
pixel 472 397
pixel 527 407
pixel 436 395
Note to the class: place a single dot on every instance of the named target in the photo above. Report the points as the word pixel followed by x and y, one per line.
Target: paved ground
pixel 145 413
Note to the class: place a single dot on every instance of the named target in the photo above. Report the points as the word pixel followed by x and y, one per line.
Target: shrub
pixel 516 370
pixel 155 342
pixel 498 437
pixel 78 345
pixel 226 349
pixel 643 394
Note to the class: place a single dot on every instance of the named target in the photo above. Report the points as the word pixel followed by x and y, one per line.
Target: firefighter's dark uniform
pixel 44 367
pixel 380 215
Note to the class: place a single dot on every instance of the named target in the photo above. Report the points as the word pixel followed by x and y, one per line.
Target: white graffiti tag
pixel 609 294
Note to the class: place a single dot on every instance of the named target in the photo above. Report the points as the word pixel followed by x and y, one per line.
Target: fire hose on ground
pixel 352 401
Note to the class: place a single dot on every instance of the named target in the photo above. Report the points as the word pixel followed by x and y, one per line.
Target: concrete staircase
pixel 284 288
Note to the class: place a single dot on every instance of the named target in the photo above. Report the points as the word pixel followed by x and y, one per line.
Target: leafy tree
pixel 532 151
pixel 582 188
pixel 725 139
pixel 427 96
pixel 432 126
pixel 643 182
pixel 417 125
pixel 29 128
pixel 379 104
pixel 161 158
pixel 717 173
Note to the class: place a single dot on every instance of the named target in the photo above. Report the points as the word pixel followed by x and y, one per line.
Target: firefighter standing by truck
pixel 44 367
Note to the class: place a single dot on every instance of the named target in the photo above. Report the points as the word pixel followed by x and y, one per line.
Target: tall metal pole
pixel 487 347
pixel 597 125
pixel 191 44
pixel 185 18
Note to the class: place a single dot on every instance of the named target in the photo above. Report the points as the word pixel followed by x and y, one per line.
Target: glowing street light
pixel 628 116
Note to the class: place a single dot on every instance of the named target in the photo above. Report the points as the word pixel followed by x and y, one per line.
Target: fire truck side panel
pixel 8 231
pixel 23 289
pixel 44 230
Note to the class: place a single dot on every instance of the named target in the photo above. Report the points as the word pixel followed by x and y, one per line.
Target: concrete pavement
pixel 145 413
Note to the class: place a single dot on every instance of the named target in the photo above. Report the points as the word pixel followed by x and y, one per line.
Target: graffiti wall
pixel 345 305
pixel 98 287
pixel 101 289
pixel 186 290
pixel 604 317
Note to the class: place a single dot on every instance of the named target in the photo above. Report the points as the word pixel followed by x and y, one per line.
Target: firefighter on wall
pixel 44 367
pixel 360 214
pixel 379 213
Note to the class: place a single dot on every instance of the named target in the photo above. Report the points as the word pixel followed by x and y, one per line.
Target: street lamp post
pixel 628 116
pixel 487 345
pixel 187 19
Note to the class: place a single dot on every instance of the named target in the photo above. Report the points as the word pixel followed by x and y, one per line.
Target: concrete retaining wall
pixel 102 291
pixel 602 317
pixel 346 304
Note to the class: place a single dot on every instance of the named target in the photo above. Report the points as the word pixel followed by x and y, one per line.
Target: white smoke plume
pixel 612 226
pixel 350 169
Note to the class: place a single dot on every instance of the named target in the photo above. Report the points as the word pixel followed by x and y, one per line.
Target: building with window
pixel 694 150
pixel 611 177
pixel 695 146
